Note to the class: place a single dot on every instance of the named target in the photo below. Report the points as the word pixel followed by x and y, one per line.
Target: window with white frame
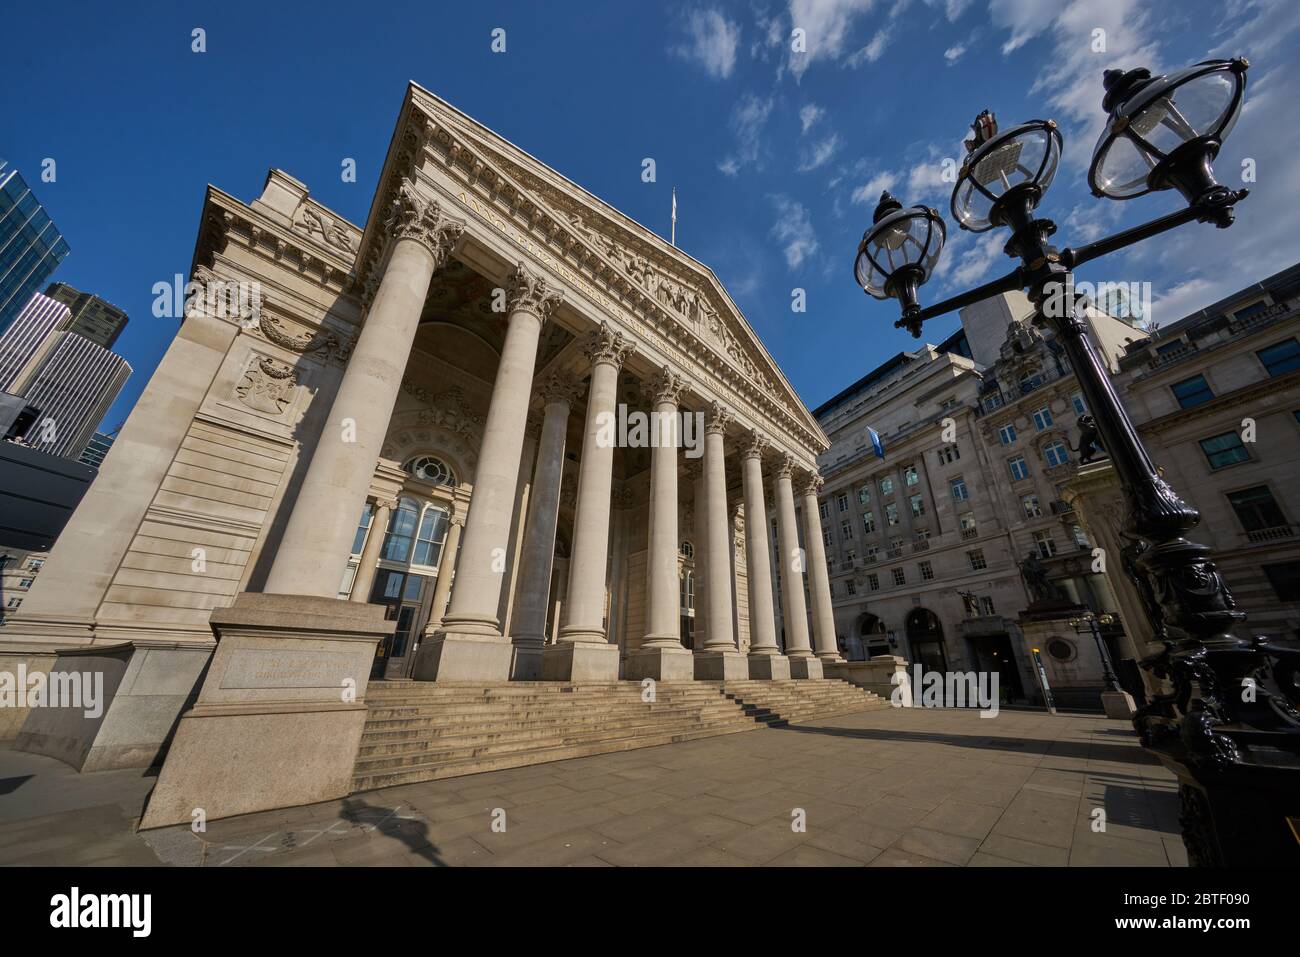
pixel 1045 544
pixel 846 530
pixel 1080 407
pixel 1055 453
pixel 900 576
pixel 873 582
pixel 842 502
pixel 1007 434
pixel 868 522
pixel 976 558
pixel 1042 418
pixel 1019 468
pixel 959 490
pixel 927 571
pixel 1031 506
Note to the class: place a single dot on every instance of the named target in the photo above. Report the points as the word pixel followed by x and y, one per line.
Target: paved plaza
pixel 919 788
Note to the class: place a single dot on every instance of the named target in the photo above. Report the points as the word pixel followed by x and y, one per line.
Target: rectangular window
pixel 868 522
pixel 864 496
pixel 886 485
pixel 1192 391
pixel 922 535
pixel 1281 358
pixel 1254 309
pixel 910 475
pixel 891 514
pixel 959 492
pixel 826 536
pixel 927 571
pixel 1032 508
pixel 850 588
pixel 25 582
pixel 846 530
pixel 976 558
pixel 949 454
pixel 1042 418
pixel 1045 544
pixel 823 510
pixel 968 526
pixel 873 581
pixel 986 603
pixel 1256 508
pixel 842 501
pixel 1019 468
pixel 918 506
pixel 1007 434
pixel 1224 450
pixel 900 577
pixel 992 401
pixel 1080 407
pixel 1055 453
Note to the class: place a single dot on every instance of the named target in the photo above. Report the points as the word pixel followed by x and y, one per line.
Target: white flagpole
pixel 674 239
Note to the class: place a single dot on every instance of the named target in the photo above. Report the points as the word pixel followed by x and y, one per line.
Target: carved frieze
pixel 325 229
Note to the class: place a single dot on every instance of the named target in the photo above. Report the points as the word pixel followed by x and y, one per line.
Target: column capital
pixel 604 344
pixel 785 466
pixel 388 503
pixel 530 292
pixel 667 385
pixel 756 446
pixel 719 417
pixel 558 386
pixel 811 484
pixel 414 217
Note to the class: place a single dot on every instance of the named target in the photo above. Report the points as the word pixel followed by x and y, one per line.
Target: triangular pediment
pixel 632 258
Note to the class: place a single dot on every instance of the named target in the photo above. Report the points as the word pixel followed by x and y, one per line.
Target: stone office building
pixel 408 414
pixel 925 543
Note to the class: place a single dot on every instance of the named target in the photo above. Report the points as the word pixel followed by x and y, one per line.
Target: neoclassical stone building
pixel 408 416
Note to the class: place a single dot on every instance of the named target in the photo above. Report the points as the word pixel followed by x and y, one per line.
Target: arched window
pixel 429 468
pixel 401 531
pixel 687 550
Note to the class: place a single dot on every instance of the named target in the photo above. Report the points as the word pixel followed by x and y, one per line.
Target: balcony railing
pixel 1061 507
pixel 969 532
pixel 1271 534
pixel 921 546
pixel 894 552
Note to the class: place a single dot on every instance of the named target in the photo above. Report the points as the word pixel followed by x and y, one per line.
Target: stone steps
pixel 421 731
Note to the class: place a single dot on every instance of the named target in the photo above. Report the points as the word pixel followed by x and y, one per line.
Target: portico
pixel 448 374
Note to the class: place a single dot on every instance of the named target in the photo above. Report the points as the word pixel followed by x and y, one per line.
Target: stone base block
pixel 769 667
pixel 453 656
pixel 806 668
pixel 721 666
pixel 580 662
pixel 526 663
pixel 280 711
pixel 661 664
pixel 1118 704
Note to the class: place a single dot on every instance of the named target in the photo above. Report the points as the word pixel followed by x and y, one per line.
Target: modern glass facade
pixel 31 246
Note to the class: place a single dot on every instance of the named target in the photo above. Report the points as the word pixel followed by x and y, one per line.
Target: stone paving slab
pixel 897 788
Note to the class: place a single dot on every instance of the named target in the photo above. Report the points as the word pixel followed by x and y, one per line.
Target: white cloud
pixel 712 40
pixel 793 229
pixel 818 154
pixel 747 121
pixel 809 115
pixel 826 25
pixel 870 53
pixel 1025 19
pixel 869 192
pixel 954 53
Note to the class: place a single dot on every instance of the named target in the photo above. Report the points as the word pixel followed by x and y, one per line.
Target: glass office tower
pixel 31 246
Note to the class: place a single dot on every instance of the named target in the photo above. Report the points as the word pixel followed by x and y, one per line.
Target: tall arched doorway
pixel 925 640
pixel 872 637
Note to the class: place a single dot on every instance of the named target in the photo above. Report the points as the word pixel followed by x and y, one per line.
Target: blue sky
pixel 778 156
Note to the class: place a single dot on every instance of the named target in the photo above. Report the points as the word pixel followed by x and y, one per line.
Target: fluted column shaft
pixel 663 615
pixel 318 535
pixel 446 572
pixel 534 587
pixel 481 571
pixel 762 615
pixel 695 472
pixel 720 636
pixel 793 610
pixel 370 551
pixel 819 584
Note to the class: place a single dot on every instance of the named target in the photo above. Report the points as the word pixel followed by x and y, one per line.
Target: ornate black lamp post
pixel 1233 742
pixel 1091 624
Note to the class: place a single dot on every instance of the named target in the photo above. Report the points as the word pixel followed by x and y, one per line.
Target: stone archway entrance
pixel 872 639
pixel 925 640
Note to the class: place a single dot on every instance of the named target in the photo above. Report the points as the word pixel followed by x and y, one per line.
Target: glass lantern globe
pixel 1021 159
pixel 1157 121
pixel 902 244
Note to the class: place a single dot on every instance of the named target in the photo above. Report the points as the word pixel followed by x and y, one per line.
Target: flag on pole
pixel 877 443
pixel 674 239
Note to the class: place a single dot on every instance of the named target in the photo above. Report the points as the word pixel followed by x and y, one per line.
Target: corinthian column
pixel 792 561
pixel 819 584
pixel 661 655
pixel 470 646
pixel 765 658
pixel 370 551
pixel 582 652
pixel 534 589
pixel 318 536
pixel 446 571
pixel 719 659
